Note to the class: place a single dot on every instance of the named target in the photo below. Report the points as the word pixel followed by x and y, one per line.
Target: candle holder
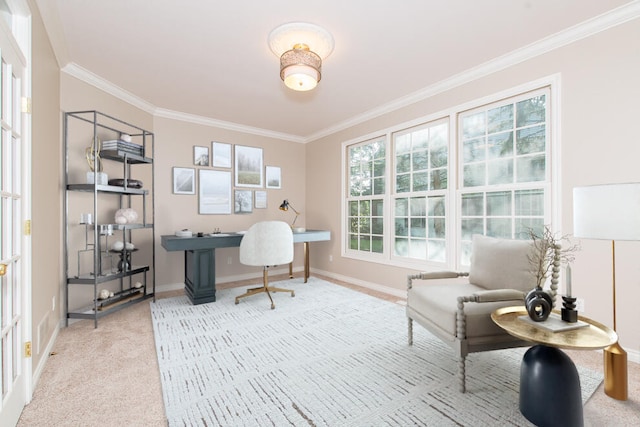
pixel 569 312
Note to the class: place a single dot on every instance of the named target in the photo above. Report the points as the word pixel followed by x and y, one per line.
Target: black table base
pixel 550 388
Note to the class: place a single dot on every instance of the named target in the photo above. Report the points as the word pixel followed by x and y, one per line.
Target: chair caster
pixel 273 306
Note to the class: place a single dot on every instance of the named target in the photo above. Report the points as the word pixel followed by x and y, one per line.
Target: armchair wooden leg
pixel 410 330
pixel 462 374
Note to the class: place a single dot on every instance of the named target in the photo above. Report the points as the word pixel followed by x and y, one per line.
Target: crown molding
pixel 570 35
pixel 206 121
pixel 92 79
pixel 593 26
pixel 88 77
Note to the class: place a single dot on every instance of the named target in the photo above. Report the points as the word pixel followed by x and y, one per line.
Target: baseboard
pixel 43 360
pixel 400 293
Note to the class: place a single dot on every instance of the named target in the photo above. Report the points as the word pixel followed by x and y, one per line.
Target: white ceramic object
pixel 101 177
pixel 117 246
pixel 126 216
pixel 104 294
pixel 184 233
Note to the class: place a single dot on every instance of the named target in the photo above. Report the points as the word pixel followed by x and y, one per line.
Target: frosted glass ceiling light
pixel 301 48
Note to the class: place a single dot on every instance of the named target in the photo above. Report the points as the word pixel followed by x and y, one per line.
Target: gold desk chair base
pixel 264 288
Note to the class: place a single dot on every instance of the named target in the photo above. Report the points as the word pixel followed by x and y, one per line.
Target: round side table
pixel 550 393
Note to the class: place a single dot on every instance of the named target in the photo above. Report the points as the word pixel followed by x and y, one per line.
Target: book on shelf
pixel 120 145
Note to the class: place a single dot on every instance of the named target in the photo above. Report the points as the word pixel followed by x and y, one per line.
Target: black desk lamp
pixel 285 207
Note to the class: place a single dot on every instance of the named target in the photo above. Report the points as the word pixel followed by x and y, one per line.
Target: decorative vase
pixel 538 304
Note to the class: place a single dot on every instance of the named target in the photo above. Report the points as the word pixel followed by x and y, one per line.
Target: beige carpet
pixel 109 377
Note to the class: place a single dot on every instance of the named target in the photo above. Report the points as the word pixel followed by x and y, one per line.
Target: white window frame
pixel 395 195
pixel 553 205
pixel 512 187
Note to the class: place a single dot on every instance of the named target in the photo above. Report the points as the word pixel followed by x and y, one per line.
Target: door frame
pixel 19 36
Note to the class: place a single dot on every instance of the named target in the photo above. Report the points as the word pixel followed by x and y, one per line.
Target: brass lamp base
pixel 615 372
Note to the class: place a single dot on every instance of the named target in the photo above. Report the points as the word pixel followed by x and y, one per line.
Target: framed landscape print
pixel 248 162
pixel 200 156
pixel 244 202
pixel 214 192
pixel 273 177
pixel 184 181
pixel 221 155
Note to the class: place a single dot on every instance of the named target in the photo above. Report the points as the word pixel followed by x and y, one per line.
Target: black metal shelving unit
pixel 95 126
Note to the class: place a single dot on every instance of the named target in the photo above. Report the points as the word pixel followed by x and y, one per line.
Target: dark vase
pixel 538 304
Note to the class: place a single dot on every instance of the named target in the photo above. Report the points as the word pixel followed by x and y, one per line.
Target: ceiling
pixel 209 59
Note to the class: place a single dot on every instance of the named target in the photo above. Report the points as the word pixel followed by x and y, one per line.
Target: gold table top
pixel 592 337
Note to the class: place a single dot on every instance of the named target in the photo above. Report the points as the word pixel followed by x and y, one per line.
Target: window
pixel 421 177
pixel 367 187
pixel 504 169
pixel 417 194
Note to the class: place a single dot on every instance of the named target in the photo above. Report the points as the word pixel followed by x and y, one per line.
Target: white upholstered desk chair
pixel 266 244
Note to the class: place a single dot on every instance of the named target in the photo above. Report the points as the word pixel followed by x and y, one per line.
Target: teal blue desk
pixel 200 258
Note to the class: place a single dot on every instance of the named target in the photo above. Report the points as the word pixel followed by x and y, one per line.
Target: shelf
pixel 89 313
pixel 120 227
pixel 82 251
pixel 107 189
pixel 118 297
pixel 123 156
pixel 91 279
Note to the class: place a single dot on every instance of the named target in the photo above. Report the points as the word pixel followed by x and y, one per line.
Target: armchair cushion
pixel 501 264
pixel 439 301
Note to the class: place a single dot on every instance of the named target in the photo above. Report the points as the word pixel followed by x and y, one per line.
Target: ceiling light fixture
pixel 301 48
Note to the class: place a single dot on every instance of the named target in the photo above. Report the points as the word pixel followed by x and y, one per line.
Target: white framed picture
pixel 201 156
pixel 184 180
pixel 273 177
pixel 244 202
pixel 214 192
pixel 221 155
pixel 260 199
pixel 248 162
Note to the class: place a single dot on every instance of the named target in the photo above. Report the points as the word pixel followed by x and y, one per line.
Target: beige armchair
pixel 457 307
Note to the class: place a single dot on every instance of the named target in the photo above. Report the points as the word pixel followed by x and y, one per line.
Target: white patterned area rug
pixel 330 356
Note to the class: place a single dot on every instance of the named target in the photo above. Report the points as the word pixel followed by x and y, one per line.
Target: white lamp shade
pixel 300 77
pixel 609 212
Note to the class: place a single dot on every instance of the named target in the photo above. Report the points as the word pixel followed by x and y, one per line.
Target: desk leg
pixel 200 275
pixel 306 261
pixel 550 388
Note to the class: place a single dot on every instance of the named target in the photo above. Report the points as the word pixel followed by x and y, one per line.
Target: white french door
pixel 15 206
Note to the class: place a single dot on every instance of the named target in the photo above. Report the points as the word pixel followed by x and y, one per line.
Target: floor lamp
pixel 609 212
